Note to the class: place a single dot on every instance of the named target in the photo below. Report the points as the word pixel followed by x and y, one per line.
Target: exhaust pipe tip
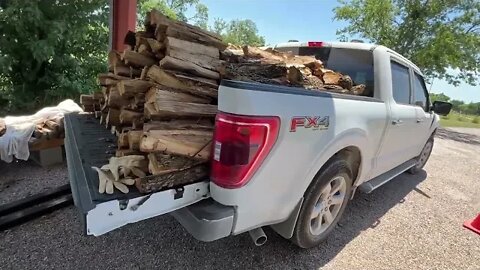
pixel 258 236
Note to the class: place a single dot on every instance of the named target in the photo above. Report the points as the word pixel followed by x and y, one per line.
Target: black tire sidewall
pixel 415 169
pixel 302 235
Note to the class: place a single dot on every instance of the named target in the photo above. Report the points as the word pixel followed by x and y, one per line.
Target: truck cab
pixel 286 157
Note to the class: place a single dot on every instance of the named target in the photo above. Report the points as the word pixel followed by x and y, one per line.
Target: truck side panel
pixel 280 182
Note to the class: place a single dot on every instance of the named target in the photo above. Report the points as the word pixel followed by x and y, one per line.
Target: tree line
pixel 472 108
pixel 53 50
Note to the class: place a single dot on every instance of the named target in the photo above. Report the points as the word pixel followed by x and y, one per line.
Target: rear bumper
pixel 206 220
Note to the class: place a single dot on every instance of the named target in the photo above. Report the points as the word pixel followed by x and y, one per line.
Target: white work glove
pixel 106 181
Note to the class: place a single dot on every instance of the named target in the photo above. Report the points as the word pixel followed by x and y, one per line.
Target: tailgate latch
pixel 178 193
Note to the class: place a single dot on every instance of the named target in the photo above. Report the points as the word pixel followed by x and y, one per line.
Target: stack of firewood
pixel 48 129
pixel 160 97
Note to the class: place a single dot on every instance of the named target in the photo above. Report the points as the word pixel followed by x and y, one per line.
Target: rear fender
pixel 354 137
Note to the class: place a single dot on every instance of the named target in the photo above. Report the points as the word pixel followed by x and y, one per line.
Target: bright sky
pixel 306 20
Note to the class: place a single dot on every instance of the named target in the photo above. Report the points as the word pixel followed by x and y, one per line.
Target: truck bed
pixel 87 144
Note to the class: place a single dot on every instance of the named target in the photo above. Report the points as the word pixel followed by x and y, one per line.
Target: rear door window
pixel 400 83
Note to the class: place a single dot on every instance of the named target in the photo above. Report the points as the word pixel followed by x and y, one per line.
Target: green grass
pixel 455 119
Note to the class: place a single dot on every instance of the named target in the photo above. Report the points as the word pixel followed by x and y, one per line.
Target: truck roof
pixel 350 45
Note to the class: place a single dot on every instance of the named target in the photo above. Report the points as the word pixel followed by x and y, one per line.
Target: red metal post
pixel 123 17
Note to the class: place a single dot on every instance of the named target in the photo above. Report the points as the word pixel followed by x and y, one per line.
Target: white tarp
pixel 14 143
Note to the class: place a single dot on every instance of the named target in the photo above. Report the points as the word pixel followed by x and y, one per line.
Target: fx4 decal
pixel 313 122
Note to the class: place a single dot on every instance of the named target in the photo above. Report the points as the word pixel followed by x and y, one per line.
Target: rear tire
pixel 423 157
pixel 324 203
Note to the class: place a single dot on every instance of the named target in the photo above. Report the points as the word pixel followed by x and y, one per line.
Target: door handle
pixel 397 122
pixel 420 120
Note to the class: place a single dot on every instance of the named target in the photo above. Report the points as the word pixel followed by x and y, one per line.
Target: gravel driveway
pixel 413 222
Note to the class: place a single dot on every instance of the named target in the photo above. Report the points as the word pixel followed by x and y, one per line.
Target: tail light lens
pixel 240 145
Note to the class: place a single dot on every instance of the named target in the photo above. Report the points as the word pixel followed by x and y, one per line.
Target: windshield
pixel 358 64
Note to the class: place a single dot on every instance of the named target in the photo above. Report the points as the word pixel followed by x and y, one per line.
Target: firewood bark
pixel 130 88
pixel 87 100
pixel 190 143
pixel 134 137
pixel 122 141
pixel 159 163
pixel 194 85
pixel 171 179
pixel 171 109
pixel 126 71
pixel 115 100
pixel 143 74
pixel 109 79
pixel 169 62
pixel 164 93
pixel 144 49
pixel 155 45
pixel 127 116
pixel 136 59
pixel 113 118
pixel 114 58
pixel 178 124
pixel 137 101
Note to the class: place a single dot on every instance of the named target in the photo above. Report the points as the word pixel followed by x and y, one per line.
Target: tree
pixel 240 32
pixel 175 9
pixel 439 97
pixel 50 50
pixel 438 35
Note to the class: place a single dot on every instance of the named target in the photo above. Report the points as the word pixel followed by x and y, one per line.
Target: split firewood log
pixel 160 93
pixel 115 100
pixel 122 140
pixel 130 88
pixel 359 90
pixel 204 56
pixel 194 85
pixel 190 143
pixel 346 82
pixel 169 62
pixel 113 118
pixel 159 163
pixel 109 79
pixel 171 179
pixel 136 59
pixel 331 77
pixel 174 109
pixel 3 127
pixel 179 124
pixel 134 138
pixel 127 117
pixel 172 28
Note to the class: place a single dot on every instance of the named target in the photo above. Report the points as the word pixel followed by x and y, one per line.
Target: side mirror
pixel 441 108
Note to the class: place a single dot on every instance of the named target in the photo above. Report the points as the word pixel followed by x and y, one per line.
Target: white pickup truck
pixel 285 157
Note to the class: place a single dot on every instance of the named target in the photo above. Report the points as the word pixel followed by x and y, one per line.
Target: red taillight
pixel 240 144
pixel 315 44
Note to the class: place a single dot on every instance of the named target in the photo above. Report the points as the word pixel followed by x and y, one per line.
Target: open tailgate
pixel 88 144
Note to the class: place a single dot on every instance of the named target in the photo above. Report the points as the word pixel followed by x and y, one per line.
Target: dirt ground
pixel 412 222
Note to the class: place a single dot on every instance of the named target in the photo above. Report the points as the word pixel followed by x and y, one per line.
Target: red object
pixel 124 18
pixel 315 44
pixel 240 145
pixel 473 224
